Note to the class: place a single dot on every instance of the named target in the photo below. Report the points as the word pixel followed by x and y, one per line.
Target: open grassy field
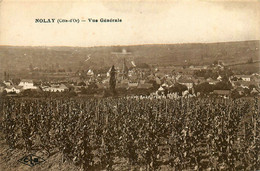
pixel 250 68
pixel 75 58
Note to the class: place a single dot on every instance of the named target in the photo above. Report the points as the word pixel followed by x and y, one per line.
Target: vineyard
pixel 148 134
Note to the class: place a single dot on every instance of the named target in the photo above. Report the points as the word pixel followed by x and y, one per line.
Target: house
pixel 222 92
pixel 198 80
pixel 160 89
pixel 151 77
pixel 122 85
pixel 255 91
pixel 77 89
pixel 132 85
pixel 185 93
pixel 169 82
pixel 108 72
pixel 13 89
pixel 27 84
pixel 133 78
pixel 165 85
pixel 256 78
pixel 8 83
pixel 158 81
pixel 198 67
pixel 219 78
pixel 244 77
pixel 2 87
pixel 56 88
pixel 191 67
pixel 235 83
pixel 177 77
pixel 211 81
pixel 100 85
pixel 240 90
pixel 105 81
pixel 125 81
pixel 187 82
pixel 142 81
pixel 246 84
pixel 81 84
pixel 145 86
pixel 90 72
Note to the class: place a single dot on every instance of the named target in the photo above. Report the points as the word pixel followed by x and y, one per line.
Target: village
pixel 215 79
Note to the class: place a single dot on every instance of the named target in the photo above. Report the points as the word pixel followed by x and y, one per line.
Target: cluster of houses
pixel 240 83
pixel 136 78
pixel 27 84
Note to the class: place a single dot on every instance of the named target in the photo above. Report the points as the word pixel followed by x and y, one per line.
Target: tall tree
pixel 5 76
pixel 112 81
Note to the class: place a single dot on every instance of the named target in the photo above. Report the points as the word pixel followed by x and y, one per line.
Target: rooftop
pixel 222 92
pixel 27 81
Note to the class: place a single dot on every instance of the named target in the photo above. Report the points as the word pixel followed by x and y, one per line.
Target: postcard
pixel 129 85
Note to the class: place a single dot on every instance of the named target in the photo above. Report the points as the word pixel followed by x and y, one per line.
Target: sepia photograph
pixel 129 85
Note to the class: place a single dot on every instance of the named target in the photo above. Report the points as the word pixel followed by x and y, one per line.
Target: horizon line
pixel 129 44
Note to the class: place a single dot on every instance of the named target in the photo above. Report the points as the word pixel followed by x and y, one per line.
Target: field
pixel 132 133
pixel 250 68
pixel 78 58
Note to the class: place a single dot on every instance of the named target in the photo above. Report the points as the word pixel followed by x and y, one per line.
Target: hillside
pixel 15 59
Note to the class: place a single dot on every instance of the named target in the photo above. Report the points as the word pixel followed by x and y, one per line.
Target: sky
pixel 143 22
